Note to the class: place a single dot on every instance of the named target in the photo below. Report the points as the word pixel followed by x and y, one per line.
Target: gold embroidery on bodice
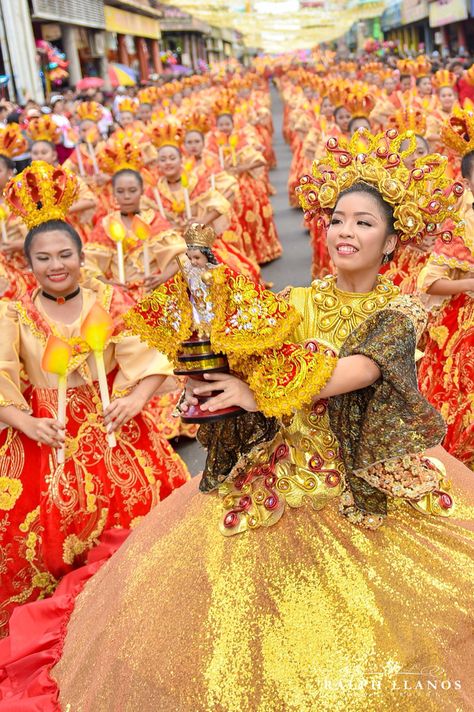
pixel 302 464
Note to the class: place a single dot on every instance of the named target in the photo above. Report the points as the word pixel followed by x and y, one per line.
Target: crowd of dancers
pixel 348 384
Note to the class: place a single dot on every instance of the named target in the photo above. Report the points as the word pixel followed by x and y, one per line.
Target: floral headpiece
pixel 90 110
pixel 12 141
pixel 422 198
pixel 458 131
pixel 338 92
pixel 165 134
pixel 119 153
pixel 41 192
pixel 196 122
pixel 44 129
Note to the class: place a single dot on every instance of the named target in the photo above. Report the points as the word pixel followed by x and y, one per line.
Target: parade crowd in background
pixel 98 194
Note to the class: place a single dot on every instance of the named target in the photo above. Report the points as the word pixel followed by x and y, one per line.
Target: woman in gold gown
pixel 280 590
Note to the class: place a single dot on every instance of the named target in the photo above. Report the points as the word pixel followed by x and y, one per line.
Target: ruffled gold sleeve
pixel 163 319
pixel 10 364
pixel 165 247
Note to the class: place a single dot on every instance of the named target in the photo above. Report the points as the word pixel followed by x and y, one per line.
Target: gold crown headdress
pixel 225 104
pixel 419 67
pixel 196 122
pixel 338 92
pixel 443 78
pixel 359 102
pixel 198 235
pixel 422 198
pixel 148 95
pixel 128 105
pixel 12 141
pixel 89 110
pixel 457 132
pixel 165 134
pixel 119 153
pixel 44 129
pixel 41 192
pixel 409 119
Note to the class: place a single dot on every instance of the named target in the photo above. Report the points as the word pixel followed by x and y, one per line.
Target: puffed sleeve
pixel 10 364
pixel 166 246
pixel 97 259
pixel 85 193
pixel 136 361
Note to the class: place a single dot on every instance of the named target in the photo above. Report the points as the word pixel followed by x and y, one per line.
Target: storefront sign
pixel 414 11
pixel 444 12
pixel 127 23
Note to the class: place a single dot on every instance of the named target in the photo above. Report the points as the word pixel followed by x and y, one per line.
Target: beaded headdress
pixel 198 235
pixel 196 122
pixel 12 141
pixel 423 198
pixel 41 192
pixel 90 110
pixel 458 131
pixel 165 134
pixel 120 153
pixel 44 129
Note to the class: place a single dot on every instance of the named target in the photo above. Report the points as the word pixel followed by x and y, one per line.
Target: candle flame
pixel 56 356
pixel 140 228
pixel 3 213
pixel 97 328
pixel 116 230
pixel 91 135
pixel 233 140
pixel 184 180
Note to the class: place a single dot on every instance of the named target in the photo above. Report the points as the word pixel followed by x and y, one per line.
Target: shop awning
pixel 129 23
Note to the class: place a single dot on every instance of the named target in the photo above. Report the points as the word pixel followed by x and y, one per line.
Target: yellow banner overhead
pixel 128 23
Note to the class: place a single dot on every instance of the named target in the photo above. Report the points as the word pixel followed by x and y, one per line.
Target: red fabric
pixel 465 90
pixel 37 633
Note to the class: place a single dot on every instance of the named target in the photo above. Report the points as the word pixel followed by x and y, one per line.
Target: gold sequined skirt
pixel 310 614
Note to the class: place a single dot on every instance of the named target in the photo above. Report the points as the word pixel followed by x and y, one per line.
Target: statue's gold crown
pixel 457 132
pixel 12 141
pixel 198 235
pixel 43 128
pixel 42 192
pixel 120 152
pixel 91 110
pixel 423 198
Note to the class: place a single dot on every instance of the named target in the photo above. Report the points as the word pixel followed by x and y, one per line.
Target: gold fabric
pixel 312 613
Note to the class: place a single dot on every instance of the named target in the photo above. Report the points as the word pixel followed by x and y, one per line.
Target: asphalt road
pixel 294 267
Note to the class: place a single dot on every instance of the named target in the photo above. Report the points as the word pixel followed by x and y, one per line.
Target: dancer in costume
pixel 446 373
pixel 54 509
pixel 280 589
